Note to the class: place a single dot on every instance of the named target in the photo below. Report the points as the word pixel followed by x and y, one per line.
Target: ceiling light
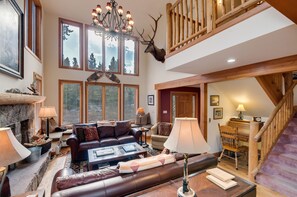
pixel 231 60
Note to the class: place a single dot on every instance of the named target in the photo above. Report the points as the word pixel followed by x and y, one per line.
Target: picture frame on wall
pixel 217 113
pixel 12 39
pixel 214 100
pixel 150 100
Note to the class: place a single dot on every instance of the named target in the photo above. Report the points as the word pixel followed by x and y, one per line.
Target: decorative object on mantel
pixel 33 88
pixel 98 74
pixel 159 54
pixel 47 112
pixel 11 151
pixel 240 108
pixel 113 21
pixel 186 138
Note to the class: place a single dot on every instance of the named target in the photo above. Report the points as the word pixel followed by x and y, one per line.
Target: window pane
pixel 94 103
pixel 111 103
pixel 111 55
pixel 129 102
pixel 71 46
pixel 71 103
pixel 129 59
pixel 33 27
pixel 94 55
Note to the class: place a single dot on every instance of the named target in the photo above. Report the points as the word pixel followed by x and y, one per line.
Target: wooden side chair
pixel 230 142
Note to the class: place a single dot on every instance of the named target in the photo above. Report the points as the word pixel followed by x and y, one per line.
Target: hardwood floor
pixel 229 166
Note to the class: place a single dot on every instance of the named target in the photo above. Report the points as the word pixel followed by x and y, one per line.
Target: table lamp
pixel 47 112
pixel 140 111
pixel 186 138
pixel 240 108
pixel 11 151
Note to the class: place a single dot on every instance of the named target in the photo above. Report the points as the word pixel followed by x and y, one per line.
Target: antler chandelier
pixel 113 20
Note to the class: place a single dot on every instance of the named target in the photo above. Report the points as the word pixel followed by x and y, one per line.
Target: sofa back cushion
pixel 91 134
pixel 82 125
pixel 122 128
pixel 164 128
pixel 106 131
pixel 80 134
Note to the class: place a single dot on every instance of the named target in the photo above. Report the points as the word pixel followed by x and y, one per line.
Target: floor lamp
pixel 47 112
pixel 11 151
pixel 186 138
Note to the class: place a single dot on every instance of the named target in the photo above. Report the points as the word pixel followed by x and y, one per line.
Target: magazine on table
pixel 103 152
pixel 129 148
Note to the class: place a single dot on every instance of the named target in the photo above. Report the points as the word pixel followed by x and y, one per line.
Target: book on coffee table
pixel 129 148
pixel 223 184
pixel 103 152
pixel 220 174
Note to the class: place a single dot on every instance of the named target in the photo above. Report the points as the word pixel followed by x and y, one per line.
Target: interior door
pixel 184 104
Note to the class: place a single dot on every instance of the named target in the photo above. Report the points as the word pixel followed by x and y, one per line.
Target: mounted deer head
pixel 159 54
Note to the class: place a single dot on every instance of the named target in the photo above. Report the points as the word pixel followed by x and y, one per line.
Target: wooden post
pixel 253 150
pixel 169 27
pixel 178 23
pixel 191 17
pixel 182 20
pixel 203 109
pixel 210 16
pixel 187 18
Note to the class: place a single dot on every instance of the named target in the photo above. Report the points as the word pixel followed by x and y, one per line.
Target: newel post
pixel 253 150
pixel 169 27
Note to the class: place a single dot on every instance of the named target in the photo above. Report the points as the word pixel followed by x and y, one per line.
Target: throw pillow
pixel 154 129
pixel 91 134
pixel 164 129
pixel 143 119
pixel 138 119
pixel 106 131
pixel 122 128
pixel 80 134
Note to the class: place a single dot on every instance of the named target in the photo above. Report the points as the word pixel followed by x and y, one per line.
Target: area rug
pixel 83 165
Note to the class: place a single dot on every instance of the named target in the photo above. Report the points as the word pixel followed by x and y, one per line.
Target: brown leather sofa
pixel 120 133
pixel 126 184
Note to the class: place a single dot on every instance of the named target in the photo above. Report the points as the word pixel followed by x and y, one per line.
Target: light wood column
pixel 203 109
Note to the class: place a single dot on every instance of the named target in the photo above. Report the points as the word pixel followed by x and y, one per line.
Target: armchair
pixel 160 132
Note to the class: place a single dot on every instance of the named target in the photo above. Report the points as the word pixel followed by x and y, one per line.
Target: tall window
pixel 102 101
pixel 33 26
pixel 70 106
pixel 131 96
pixel 94 50
pixel 130 56
pixel 112 55
pixel 70 44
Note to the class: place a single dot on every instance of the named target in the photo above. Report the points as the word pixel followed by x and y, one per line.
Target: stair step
pixel 284 158
pixel 292 148
pixel 290 130
pixel 282 170
pixel 288 138
pixel 277 183
pixel 284 147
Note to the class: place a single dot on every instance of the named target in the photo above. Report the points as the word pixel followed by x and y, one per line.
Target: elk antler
pixel 156 26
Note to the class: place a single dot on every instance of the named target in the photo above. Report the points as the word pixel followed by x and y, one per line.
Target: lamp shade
pixel 140 111
pixel 47 112
pixel 11 151
pixel 186 137
pixel 240 108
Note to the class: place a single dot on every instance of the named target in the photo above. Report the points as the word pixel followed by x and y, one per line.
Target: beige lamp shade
pixel 186 137
pixel 140 111
pixel 47 112
pixel 11 151
pixel 240 108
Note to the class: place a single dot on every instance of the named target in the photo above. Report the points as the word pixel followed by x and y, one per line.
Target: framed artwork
pixel 150 100
pixel 11 39
pixel 217 113
pixel 214 100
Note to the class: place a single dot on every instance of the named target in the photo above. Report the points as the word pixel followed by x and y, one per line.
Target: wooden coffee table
pixel 114 153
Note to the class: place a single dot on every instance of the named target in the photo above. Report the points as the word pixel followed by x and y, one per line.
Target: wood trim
pixel 213 32
pixel 61 82
pixel 136 97
pixel 281 65
pixel 286 7
pixel 80 26
pixel 158 105
pixel 203 109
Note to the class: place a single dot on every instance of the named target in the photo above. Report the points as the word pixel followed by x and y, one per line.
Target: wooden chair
pixel 230 142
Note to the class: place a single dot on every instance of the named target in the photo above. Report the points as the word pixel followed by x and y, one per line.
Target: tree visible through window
pixel 95 111
pixel 130 101
pixel 112 55
pixel 94 50
pixel 130 57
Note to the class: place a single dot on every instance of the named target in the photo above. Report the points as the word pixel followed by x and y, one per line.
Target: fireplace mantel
pixel 13 98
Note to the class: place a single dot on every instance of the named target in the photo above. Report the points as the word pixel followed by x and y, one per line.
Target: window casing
pixel 70 102
pixel 102 101
pixel 70 44
pixel 131 101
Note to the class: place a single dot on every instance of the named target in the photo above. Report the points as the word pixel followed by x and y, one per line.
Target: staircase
pixel 279 171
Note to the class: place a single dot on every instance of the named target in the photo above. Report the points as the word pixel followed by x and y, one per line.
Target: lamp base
pixel 190 193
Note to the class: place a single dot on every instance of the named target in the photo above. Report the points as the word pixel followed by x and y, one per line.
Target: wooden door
pixel 184 104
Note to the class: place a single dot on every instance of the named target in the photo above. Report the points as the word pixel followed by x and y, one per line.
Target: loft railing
pixel 270 132
pixel 189 20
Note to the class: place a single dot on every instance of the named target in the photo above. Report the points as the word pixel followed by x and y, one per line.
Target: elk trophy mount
pixel 151 48
pixel 98 74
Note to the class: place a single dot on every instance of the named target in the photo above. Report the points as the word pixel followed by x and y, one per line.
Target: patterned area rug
pixel 82 166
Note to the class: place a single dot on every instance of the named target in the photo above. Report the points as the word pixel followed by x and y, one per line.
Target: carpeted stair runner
pixel 279 171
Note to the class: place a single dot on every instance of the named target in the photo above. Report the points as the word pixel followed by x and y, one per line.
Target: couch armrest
pixel 136 133
pixel 62 172
pixel 72 141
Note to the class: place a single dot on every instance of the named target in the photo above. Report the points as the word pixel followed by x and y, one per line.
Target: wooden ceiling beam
pixel 272 86
pixel 281 65
pixel 286 7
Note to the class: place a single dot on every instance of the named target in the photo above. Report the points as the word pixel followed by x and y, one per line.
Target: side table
pixel 145 130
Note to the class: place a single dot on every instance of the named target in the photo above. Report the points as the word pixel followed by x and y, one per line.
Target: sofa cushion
pixel 80 134
pixel 164 129
pixel 122 128
pixel 91 134
pixel 88 145
pixel 126 139
pixel 137 165
pixel 82 125
pixel 108 142
pixel 69 181
pixel 106 131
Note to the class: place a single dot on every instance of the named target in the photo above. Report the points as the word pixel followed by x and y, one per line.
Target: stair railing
pixel 270 132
